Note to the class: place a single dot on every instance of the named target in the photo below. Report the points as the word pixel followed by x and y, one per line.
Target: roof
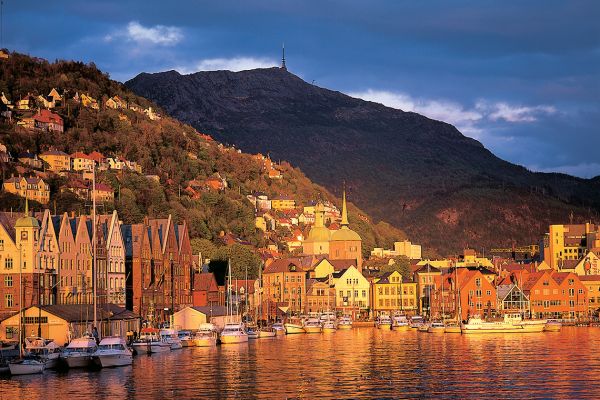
pixel 100 187
pixel 79 154
pixel 339 265
pixel 215 311
pixel 239 283
pixel 589 278
pixel 55 153
pixel 47 116
pixel 345 234
pixel 283 265
pixel 8 220
pixel 78 312
pixel 204 281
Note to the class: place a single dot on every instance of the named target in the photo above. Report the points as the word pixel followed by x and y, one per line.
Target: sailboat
pixel 263 331
pixel 30 364
pixel 233 332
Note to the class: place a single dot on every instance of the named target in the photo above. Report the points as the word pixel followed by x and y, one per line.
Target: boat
pixel 112 352
pixel 266 332
pixel 312 325
pixel 233 332
pixel 294 326
pixel 424 327
pixel 400 323
pixel 171 337
pixel 252 332
pixel 452 327
pixel 206 336
pixel 529 325
pixel 345 322
pixel 279 328
pixel 329 326
pixel 149 342
pixel 78 353
pixel 186 338
pixel 512 323
pixel 384 322
pixel 416 321
pixel 436 327
pixel 327 316
pixel 26 366
pixel 553 326
pixel 46 350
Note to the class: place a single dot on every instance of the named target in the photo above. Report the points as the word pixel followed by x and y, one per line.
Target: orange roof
pixel 80 154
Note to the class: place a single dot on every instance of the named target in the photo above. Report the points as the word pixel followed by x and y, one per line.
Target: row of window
pixel 392 290
pixel 394 303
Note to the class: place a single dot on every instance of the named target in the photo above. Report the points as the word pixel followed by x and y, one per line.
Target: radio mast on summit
pixel 283 57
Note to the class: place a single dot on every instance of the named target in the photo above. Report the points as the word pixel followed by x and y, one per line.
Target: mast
pixel 94 261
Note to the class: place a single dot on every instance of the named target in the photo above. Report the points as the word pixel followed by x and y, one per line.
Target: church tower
pixel 346 244
pixel 317 242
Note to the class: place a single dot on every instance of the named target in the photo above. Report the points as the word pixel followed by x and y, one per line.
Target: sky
pixel 523 78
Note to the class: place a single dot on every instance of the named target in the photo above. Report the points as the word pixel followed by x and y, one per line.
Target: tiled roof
pixel 283 265
pixel 78 312
pixel 215 311
pixel 589 278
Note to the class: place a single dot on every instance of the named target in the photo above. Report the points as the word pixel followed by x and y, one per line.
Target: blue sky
pixel 521 77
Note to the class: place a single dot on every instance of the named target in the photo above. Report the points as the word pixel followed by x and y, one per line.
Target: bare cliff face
pixel 445 190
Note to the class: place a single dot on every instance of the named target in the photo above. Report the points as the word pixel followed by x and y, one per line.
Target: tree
pixel 400 264
pixel 241 258
pixel 204 247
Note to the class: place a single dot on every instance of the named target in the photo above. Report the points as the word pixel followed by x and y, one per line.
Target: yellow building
pixel 283 203
pixel 352 292
pixel 284 285
pixel 567 242
pixel 592 284
pixel 260 223
pixel 391 293
pixel 57 160
pixel 88 101
pixel 31 188
pixel 317 242
pixel 320 296
pixel 81 162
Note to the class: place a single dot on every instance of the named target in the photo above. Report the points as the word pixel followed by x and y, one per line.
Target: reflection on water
pixel 361 363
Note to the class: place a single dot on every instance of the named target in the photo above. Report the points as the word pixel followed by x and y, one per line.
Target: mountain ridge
pixel 397 164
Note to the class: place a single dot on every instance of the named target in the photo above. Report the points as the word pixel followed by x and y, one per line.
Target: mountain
pixel 173 156
pixel 445 190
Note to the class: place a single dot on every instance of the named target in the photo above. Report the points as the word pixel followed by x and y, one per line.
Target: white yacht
pixel 400 323
pixel 327 316
pixel 512 323
pixel 266 332
pixel 252 332
pixel 279 328
pixel 26 366
pixel 112 352
pixel 47 350
pixel 384 322
pixel 234 332
pixel 149 342
pixel 171 337
pixel 206 336
pixel 293 327
pixel 312 325
pixel 329 326
pixel 437 327
pixel 78 353
pixel 345 322
pixel 416 321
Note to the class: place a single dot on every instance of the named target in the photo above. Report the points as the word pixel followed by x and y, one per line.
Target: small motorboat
pixel 292 328
pixel 266 332
pixel 345 322
pixel 436 327
pixel 400 323
pixel 206 336
pixel 78 353
pixel 186 338
pixel 329 326
pixel 452 327
pixel 150 342
pixel 252 332
pixel 384 322
pixel 278 328
pixel 553 326
pixel 46 350
pixel 26 366
pixel 112 352
pixel 416 321
pixel 171 337
pixel 233 332
pixel 312 325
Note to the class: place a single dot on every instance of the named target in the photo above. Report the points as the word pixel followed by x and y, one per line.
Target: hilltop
pixel 178 161
pixel 445 190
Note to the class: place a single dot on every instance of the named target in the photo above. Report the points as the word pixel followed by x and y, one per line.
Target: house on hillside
pixel 46 120
pixel 57 160
pixel 32 188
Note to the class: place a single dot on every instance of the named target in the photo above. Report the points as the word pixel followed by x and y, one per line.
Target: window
pixel 478 282
pixel 580 291
pixel 364 293
pixel 8 263
pixel 8 300
pixel 488 292
pixel 8 281
pixel 1 244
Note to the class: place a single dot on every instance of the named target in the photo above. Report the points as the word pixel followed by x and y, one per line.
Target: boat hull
pixel 452 329
pixel 385 327
pixel 400 328
pixel 205 342
pixel 312 329
pixel 470 331
pixel 440 329
pixel 187 343
pixel 82 361
pixel 292 329
pixel 232 339
pixel 552 327
pixel 266 334
pixel 113 360
pixel 26 368
pixel 329 330
pixel 345 326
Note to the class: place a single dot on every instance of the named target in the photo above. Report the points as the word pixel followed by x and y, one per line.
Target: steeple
pixel 345 222
pixel 26 206
pixel 283 57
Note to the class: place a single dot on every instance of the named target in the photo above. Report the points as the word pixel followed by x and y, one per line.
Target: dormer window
pixel 292 268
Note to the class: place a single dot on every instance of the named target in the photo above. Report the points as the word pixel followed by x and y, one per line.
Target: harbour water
pixel 360 363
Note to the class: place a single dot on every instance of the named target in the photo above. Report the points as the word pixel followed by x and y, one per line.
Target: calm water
pixel 362 363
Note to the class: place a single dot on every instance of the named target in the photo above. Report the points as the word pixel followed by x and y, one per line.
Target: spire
pixel 344 210
pixel 26 206
pixel 283 57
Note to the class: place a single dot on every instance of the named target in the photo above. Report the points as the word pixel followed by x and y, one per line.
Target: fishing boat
pixel 186 338
pixel 233 332
pixel 329 326
pixel 171 337
pixel 278 328
pixel 206 336
pixel 384 322
pixel 312 325
pixel 345 322
pixel 452 327
pixel 150 342
pixel 78 353
pixel 416 321
pixel 400 323
pixel 553 326
pixel 436 327
pixel 112 352
pixel 46 350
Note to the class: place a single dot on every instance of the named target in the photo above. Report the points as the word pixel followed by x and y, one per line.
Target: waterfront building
pixel 575 295
pixel 324 267
pixel 190 318
pixel 352 292
pixel 80 268
pixel 284 285
pixel 205 290
pixel 569 243
pixel 320 295
pixel 592 284
pixel 392 293
pixel 426 275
